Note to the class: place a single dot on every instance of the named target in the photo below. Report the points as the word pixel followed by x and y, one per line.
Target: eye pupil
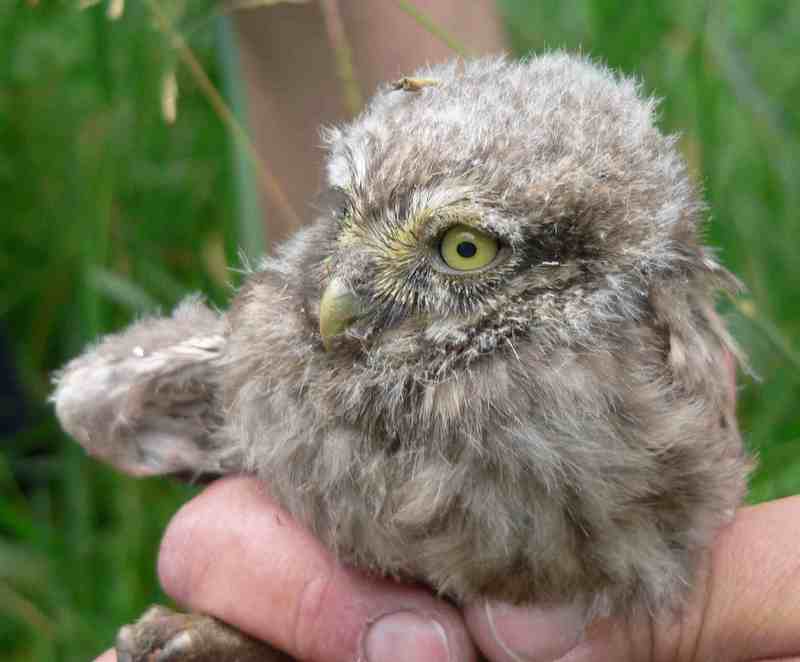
pixel 466 249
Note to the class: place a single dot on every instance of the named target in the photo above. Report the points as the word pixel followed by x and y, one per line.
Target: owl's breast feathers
pixel 557 423
pixel 600 465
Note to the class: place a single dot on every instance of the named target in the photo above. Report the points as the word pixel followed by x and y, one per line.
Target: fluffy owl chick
pixel 493 364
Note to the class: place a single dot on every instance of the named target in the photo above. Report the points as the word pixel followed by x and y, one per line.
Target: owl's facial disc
pixel 389 273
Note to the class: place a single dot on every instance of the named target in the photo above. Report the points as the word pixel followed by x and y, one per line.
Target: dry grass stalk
pixel 271 186
pixel 169 97
pixel 116 8
pixel 337 36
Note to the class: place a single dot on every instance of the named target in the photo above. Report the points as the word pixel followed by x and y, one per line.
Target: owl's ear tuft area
pixel 146 400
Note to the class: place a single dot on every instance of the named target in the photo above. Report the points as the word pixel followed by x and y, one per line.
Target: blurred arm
pixel 289 69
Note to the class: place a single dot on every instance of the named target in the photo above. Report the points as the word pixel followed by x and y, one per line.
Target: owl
pixel 492 364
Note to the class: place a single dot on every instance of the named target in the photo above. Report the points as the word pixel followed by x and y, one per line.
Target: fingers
pixel 108 656
pixel 745 606
pixel 232 553
pixel 753 609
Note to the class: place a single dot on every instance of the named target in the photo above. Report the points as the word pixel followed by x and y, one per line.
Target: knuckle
pixel 309 616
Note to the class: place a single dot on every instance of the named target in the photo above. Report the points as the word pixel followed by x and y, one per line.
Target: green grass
pixel 107 211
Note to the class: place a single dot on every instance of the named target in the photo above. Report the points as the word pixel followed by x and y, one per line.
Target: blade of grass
pixel 770 330
pixel 237 5
pixel 250 216
pixel 431 26
pixel 337 36
pixel 121 290
pixel 16 605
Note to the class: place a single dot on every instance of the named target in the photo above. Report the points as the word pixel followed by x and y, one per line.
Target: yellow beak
pixel 337 311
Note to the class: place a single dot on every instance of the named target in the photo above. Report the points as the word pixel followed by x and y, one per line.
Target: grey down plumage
pixel 557 425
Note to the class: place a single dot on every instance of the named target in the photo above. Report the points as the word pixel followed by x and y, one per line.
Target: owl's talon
pixel 177 648
pixel 162 635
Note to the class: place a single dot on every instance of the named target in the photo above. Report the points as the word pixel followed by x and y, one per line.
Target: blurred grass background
pixel 108 211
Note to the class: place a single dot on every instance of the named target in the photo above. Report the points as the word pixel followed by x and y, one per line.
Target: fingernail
pixel 404 636
pixel 536 634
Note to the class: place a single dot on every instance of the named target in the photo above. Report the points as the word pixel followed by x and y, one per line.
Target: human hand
pixel 233 553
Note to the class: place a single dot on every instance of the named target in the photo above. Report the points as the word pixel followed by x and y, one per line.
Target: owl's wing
pixel 146 400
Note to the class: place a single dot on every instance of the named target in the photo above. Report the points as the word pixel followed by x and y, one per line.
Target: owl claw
pixel 177 648
pixel 162 635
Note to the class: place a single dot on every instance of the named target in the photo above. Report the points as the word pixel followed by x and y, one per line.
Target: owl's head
pixel 481 203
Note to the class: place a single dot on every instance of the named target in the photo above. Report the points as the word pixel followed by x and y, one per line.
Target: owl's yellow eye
pixel 464 248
